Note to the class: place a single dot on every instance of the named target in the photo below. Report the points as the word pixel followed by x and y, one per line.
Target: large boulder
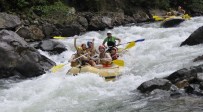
pixel 68 30
pixel 50 30
pixel 96 23
pixel 153 84
pixel 8 21
pixel 195 38
pixel 51 46
pixel 188 74
pixel 18 58
pixel 31 33
pixel 82 21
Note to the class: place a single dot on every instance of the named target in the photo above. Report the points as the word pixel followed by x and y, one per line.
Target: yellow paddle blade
pixel 130 45
pixel 58 37
pixel 158 18
pixel 57 67
pixel 118 62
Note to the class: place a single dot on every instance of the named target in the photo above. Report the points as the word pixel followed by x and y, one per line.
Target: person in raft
pixel 83 53
pixel 104 57
pixel 111 41
pixel 78 59
pixel 114 53
pixel 180 11
pixel 91 48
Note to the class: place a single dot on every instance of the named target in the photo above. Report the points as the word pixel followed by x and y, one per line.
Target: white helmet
pixel 109 32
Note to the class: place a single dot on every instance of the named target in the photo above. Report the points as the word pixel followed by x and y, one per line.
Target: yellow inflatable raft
pixel 172 22
pixel 109 73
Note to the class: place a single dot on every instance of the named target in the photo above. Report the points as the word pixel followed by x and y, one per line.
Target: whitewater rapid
pixel 158 56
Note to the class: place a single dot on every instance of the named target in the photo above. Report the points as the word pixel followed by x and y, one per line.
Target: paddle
pixel 158 18
pixel 118 62
pixel 139 40
pixel 161 18
pixel 59 37
pixel 130 45
pixel 58 67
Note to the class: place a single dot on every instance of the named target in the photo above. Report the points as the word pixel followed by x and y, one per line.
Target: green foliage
pixel 22 3
pixel 19 5
pixel 163 4
pixel 196 5
pixel 56 8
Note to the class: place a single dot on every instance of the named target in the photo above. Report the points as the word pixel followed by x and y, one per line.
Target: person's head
pixel 109 34
pixel 101 49
pixel 179 8
pixel 84 47
pixel 79 50
pixel 89 44
pixel 113 50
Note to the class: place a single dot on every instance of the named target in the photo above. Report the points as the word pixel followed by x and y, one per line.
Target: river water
pixel 158 56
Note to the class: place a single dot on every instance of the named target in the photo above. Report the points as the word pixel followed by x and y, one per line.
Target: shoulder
pixel 105 39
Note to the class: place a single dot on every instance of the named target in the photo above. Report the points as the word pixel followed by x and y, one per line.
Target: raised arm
pixel 119 40
pixel 75 45
pixel 93 42
pixel 105 40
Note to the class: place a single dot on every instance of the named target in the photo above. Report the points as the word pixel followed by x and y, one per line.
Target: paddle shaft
pixel 139 40
pixel 80 56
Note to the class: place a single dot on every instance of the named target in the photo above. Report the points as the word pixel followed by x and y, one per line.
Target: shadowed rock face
pixel 8 21
pixel 195 38
pixel 182 82
pixel 51 46
pixel 153 84
pixel 18 58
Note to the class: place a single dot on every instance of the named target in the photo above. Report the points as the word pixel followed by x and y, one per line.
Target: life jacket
pixel 77 62
pixel 111 41
pixel 105 63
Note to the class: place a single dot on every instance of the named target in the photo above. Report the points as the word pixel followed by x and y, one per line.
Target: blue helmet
pixel 88 43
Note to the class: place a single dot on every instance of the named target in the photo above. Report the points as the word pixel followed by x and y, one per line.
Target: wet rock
pixel 195 38
pixel 157 12
pixel 194 89
pixel 201 85
pixel 68 30
pixel 200 76
pixel 141 16
pixel 199 58
pixel 8 21
pixel 129 19
pixel 51 46
pixel 182 84
pixel 107 21
pixel 50 30
pixel 185 74
pixel 83 21
pixel 96 24
pixel 176 92
pixel 160 93
pixel 153 84
pixel 31 33
pixel 118 18
pixel 18 58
